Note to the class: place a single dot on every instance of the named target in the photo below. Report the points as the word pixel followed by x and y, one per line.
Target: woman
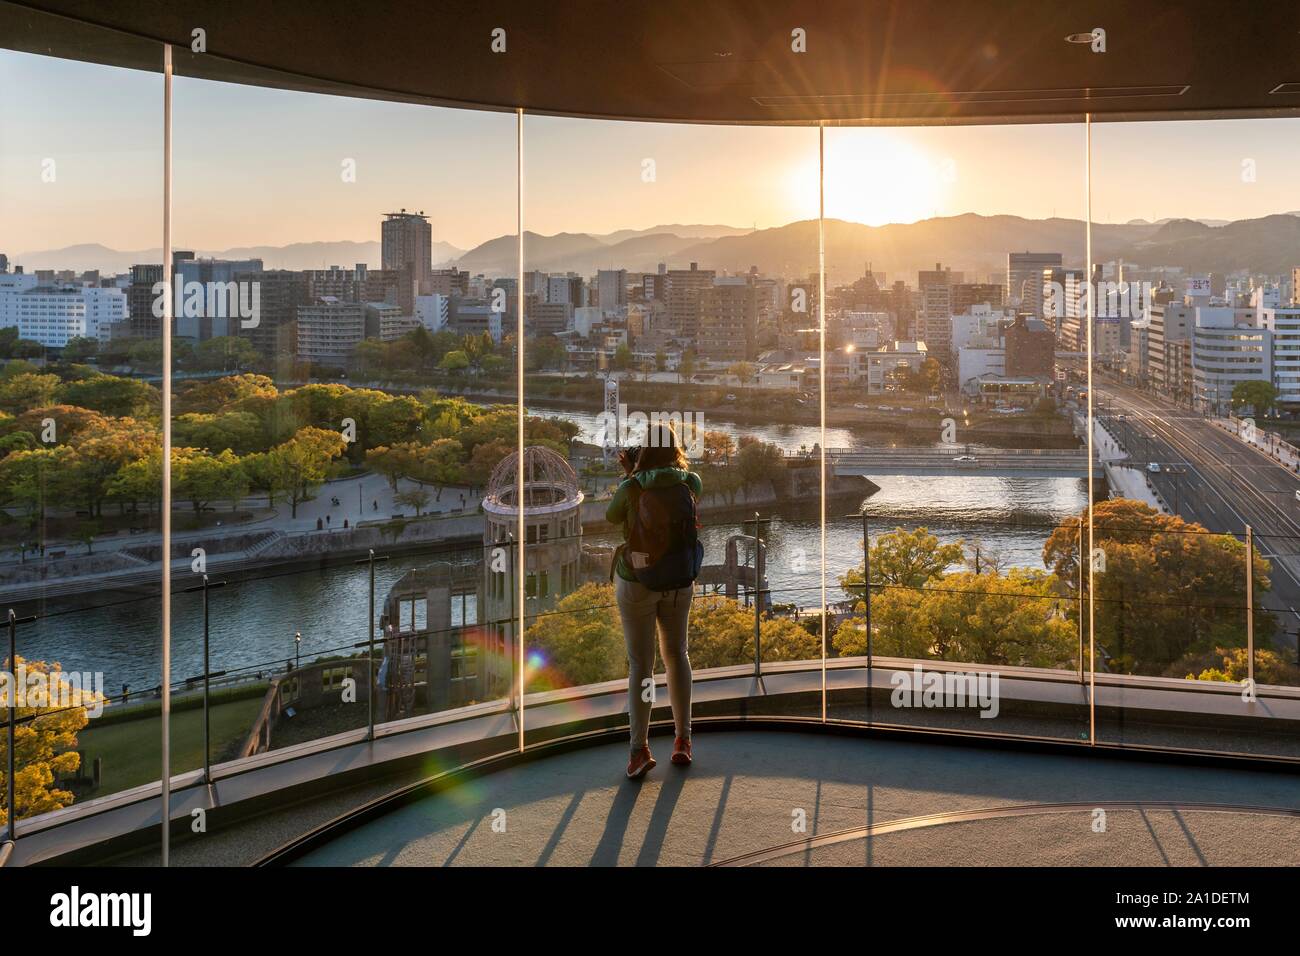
pixel 660 468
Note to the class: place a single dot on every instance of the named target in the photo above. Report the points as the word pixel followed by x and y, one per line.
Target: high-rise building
pixel 611 290
pixel 934 310
pixel 728 321
pixel 329 329
pixel 1024 277
pixel 53 314
pixel 685 288
pixel 407 243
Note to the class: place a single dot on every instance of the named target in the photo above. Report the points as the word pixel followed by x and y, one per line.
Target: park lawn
pixel 131 749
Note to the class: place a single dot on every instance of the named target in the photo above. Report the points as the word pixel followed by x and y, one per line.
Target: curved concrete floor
pixel 748 789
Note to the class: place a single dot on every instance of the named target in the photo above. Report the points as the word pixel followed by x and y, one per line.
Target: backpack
pixel 663 549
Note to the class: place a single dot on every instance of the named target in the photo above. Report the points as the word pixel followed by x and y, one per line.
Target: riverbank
pixel 287 553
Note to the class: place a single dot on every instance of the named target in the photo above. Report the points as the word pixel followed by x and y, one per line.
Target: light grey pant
pixel 641 610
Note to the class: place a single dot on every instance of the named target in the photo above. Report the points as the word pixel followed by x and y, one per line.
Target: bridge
pixel 963 460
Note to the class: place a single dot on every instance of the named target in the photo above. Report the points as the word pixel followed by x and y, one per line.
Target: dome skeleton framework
pixel 550 484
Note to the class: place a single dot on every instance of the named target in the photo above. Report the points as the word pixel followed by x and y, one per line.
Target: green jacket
pixel 617 512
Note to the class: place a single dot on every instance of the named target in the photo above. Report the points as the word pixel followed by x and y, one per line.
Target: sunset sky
pixel 263 167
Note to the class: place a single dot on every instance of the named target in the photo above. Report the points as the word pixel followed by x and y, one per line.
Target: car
pixel 965 459
pixel 905 408
pixel 731 396
pixel 885 408
pixel 1153 467
pixel 861 405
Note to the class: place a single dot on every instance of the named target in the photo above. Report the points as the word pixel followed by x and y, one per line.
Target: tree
pixel 1162 587
pixel 417 498
pixel 35 479
pixel 721 633
pixel 744 371
pixel 758 462
pixel 718 447
pixel 101 453
pixel 45 746
pixel 240 432
pixel 622 357
pixel 225 353
pixel 1257 394
pixel 247 392
pixel 686 366
pixel 454 361
pixel 18 393
pixel 202 477
pixel 1011 620
pixel 1233 665
pixel 112 395
pixel 581 643
pixel 79 348
pixel 300 465
pixel 904 559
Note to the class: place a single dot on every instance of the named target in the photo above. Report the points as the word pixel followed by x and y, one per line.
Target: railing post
pixel 10 831
pixel 370 649
pixel 1250 605
pixel 11 760
pixel 1081 559
pixel 207 713
pixel 370 560
pixel 758 598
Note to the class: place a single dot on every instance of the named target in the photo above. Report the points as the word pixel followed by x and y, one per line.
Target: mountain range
pixel 969 243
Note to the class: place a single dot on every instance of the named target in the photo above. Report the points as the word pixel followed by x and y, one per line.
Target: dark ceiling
pixel 718 61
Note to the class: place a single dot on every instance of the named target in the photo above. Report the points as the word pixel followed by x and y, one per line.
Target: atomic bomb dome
pixel 550 484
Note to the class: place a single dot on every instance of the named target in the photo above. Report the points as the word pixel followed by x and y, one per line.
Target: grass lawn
pixel 131 749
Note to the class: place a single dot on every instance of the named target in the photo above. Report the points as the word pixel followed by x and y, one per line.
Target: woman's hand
pixel 626 463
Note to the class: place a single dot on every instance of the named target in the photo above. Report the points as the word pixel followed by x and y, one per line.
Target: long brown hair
pixel 662 449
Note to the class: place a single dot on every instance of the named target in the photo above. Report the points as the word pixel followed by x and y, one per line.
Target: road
pixel 1216 480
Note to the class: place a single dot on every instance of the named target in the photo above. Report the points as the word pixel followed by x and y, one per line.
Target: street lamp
pixel 297 650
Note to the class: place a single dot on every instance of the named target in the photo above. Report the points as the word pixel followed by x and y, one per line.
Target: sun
pixel 874 176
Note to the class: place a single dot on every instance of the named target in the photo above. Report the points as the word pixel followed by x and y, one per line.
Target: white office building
pixel 433 311
pixel 53 314
pixel 1225 352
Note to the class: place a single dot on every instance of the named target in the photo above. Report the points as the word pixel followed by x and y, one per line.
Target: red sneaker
pixel 682 751
pixel 640 764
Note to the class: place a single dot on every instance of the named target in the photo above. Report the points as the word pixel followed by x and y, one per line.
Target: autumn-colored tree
pixel 241 432
pixel 721 633
pixel 1012 619
pixel 44 746
pixel 112 395
pixel 203 477
pixel 233 393
pixel 904 559
pixel 28 390
pixel 101 453
pixel 1162 587
pixel 298 466
pixel 1232 664
pixel 580 642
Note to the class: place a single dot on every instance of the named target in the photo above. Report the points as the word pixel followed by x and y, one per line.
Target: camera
pixel 630 455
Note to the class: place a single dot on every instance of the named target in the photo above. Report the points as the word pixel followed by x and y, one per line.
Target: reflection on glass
pixel 1195 573
pixel 671 280
pixel 80 430
pixel 948 398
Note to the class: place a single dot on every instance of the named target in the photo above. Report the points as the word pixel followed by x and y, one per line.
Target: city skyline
pixel 266 167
